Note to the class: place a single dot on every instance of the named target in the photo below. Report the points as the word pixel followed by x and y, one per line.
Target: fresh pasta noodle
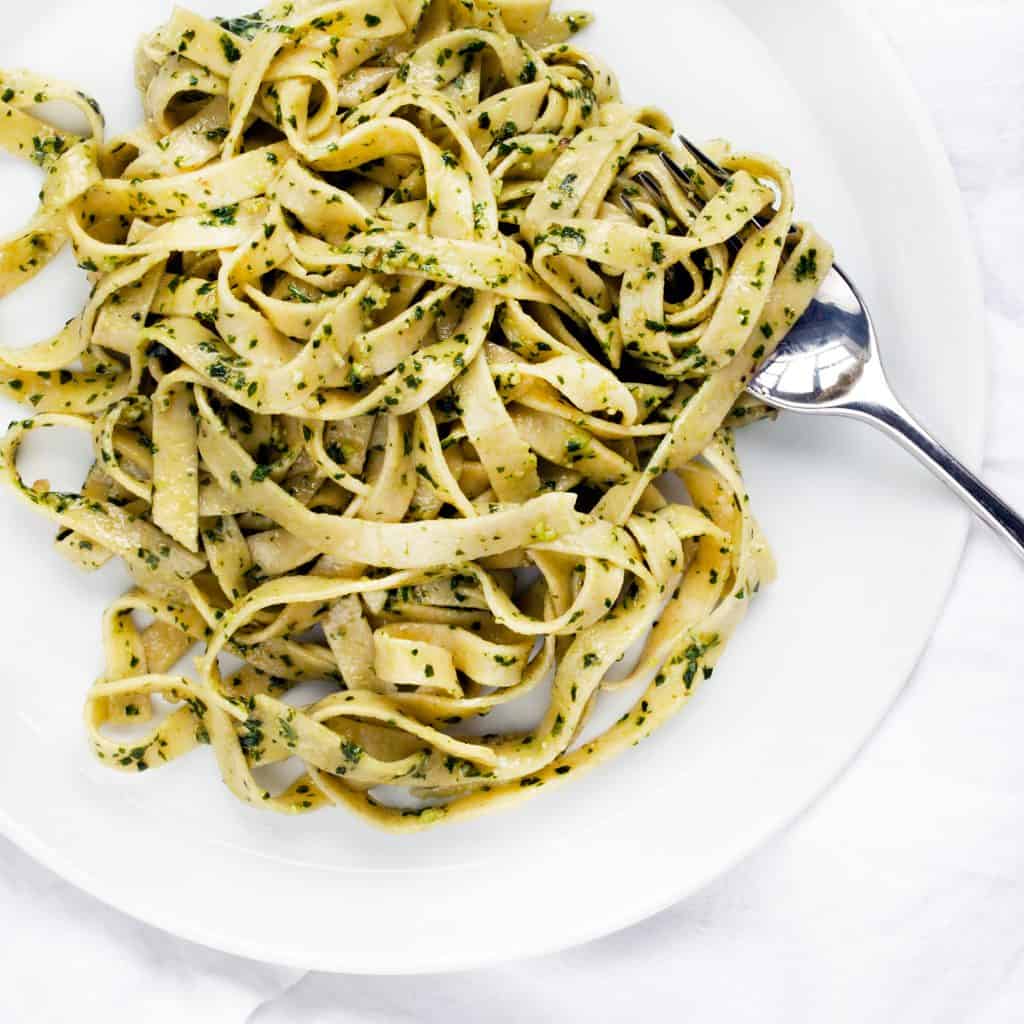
pixel 391 349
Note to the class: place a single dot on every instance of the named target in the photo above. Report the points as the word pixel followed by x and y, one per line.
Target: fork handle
pixel 895 421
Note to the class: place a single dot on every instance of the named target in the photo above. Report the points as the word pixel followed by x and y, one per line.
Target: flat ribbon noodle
pixel 400 338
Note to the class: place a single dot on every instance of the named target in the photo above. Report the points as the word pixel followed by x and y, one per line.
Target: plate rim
pixel 595 927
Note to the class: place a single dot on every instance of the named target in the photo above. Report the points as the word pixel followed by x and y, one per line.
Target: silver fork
pixel 830 363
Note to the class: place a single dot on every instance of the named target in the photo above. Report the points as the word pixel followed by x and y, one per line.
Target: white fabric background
pixel 899 896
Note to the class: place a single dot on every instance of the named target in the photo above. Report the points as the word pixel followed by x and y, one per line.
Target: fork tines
pixel 715 171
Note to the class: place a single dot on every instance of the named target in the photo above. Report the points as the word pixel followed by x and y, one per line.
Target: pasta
pixel 392 352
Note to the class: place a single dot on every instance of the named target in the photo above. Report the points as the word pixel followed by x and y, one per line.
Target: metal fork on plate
pixel 829 363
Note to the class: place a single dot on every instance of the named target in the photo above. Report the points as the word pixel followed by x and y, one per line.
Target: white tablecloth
pixel 899 896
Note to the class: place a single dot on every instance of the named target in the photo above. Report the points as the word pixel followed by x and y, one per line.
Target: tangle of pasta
pixel 398 327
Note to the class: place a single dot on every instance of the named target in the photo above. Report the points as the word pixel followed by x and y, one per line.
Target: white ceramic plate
pixel 867 548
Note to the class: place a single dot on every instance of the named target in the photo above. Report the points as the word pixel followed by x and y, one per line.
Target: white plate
pixel 867 547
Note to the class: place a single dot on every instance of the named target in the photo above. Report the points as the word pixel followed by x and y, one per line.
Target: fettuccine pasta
pixel 399 329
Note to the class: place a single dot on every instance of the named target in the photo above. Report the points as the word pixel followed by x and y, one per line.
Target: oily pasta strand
pixel 388 359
